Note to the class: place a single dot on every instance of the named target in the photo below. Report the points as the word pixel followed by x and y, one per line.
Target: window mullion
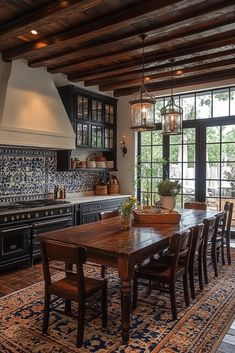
pixel 200 167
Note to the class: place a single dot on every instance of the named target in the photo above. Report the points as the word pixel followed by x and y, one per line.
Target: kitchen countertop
pixel 74 198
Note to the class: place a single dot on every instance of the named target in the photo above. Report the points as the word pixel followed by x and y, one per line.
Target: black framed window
pixel 202 158
pixel 182 163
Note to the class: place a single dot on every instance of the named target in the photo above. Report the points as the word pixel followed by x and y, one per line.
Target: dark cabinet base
pixel 89 212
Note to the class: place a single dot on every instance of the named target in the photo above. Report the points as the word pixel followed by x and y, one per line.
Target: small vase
pixel 125 221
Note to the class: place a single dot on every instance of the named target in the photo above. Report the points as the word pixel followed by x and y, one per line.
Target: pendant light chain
pixel 172 61
pixel 143 37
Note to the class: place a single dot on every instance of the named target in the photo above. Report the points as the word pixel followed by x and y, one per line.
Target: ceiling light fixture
pixel 142 104
pixel 172 113
pixel 34 32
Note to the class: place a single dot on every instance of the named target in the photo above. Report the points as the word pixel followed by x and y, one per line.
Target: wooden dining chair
pixel 220 238
pixel 210 244
pixel 195 205
pixel 228 208
pixel 196 258
pixel 102 216
pixel 171 266
pixel 74 286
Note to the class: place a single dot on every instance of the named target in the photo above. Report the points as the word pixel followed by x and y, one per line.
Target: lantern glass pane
pixel 172 124
pixel 142 116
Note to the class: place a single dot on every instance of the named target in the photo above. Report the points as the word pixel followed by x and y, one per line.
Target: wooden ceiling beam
pixel 212 42
pixel 185 14
pixel 185 71
pixel 39 16
pixel 124 76
pixel 93 28
pixel 220 75
pixel 131 50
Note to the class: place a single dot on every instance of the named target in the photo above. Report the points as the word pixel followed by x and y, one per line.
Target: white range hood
pixel 31 111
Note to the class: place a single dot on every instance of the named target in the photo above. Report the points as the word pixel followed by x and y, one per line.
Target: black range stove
pixel 15 212
pixel 20 224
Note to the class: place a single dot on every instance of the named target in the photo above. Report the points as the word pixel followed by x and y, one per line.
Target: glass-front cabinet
pixel 93 117
pixel 82 107
pixel 96 110
pixel 97 136
pixel 109 113
pixel 82 135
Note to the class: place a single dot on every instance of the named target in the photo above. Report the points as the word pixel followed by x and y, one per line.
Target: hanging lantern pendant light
pixel 172 113
pixel 142 105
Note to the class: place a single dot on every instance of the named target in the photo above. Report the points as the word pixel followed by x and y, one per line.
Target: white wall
pixel 126 166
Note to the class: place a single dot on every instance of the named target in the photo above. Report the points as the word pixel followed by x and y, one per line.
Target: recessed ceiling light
pixel 39 45
pixel 34 32
pixel 179 72
pixel 64 3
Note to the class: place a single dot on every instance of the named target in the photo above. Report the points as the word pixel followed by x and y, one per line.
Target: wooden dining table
pixel 107 244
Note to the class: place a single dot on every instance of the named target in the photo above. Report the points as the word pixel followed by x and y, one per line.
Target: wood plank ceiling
pixel 97 41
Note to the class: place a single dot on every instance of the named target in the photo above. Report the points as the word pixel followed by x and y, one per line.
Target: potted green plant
pixel 168 190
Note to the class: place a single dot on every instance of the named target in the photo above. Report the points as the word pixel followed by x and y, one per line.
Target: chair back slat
pixel 197 241
pixel 65 252
pixel 228 208
pixel 179 249
pixel 209 229
pixel 220 224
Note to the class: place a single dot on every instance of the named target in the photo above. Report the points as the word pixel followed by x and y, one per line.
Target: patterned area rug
pixel 199 328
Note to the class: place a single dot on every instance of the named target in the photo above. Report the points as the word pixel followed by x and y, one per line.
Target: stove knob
pixel 52 212
pixel 23 216
pixel 12 218
pixel 61 211
pixel 17 216
pixel 29 215
pixel 46 213
pixel 68 210
pixel 5 219
pixel 36 215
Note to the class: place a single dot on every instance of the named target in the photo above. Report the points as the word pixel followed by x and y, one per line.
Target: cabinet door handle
pixel 58 220
pixel 95 208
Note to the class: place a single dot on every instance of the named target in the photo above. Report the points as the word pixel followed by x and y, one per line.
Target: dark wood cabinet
pixel 93 117
pixel 89 212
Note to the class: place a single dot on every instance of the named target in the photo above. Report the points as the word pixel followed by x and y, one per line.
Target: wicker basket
pixel 156 216
pixel 113 189
pixel 101 190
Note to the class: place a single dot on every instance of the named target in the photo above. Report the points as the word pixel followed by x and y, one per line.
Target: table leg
pixel 125 271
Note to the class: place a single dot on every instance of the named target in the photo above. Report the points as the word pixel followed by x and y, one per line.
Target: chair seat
pixel 67 287
pixel 158 269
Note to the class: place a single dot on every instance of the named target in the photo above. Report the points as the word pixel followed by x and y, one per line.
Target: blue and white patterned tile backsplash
pixel 31 173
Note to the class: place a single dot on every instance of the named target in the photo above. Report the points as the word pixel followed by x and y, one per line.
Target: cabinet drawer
pixel 112 203
pixel 90 207
pixel 89 218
